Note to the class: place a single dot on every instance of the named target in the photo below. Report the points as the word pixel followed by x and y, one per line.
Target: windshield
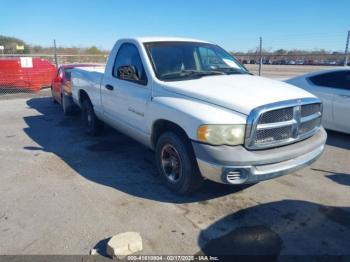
pixel 174 61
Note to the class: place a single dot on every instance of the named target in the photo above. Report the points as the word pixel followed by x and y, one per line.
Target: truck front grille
pixel 278 115
pixel 310 109
pixel 309 125
pixel 283 123
pixel 264 136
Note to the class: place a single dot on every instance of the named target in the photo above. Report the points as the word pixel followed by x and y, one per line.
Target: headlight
pixel 221 134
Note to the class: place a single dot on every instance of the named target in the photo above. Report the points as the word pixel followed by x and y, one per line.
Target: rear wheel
pixel 66 105
pixel 176 163
pixel 53 97
pixel 93 125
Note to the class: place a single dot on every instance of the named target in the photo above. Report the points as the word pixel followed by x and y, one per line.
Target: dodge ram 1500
pixel 201 111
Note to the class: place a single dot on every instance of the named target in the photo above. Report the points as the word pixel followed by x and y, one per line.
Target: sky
pixel 236 25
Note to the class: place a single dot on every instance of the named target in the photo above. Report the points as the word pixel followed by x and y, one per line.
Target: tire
pixel 180 173
pixel 93 126
pixel 66 107
pixel 53 98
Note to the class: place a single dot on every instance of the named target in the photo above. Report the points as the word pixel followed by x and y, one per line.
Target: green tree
pixel 93 51
pixel 10 44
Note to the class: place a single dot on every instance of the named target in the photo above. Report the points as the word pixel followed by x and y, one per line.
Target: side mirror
pixel 128 72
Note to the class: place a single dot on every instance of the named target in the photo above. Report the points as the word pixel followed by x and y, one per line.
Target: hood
pixel 241 93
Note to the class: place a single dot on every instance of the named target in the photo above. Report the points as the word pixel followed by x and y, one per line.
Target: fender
pixel 189 114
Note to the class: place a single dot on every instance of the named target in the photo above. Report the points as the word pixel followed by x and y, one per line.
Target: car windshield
pixel 173 61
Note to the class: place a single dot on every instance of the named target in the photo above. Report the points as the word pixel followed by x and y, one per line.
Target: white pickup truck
pixel 201 111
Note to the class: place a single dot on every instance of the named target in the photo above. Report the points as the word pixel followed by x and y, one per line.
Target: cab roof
pixel 166 39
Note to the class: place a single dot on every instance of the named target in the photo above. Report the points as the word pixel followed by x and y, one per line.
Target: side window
pixel 340 79
pixel 129 55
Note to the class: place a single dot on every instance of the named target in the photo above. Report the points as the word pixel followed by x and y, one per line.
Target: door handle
pixel 109 87
pixel 344 96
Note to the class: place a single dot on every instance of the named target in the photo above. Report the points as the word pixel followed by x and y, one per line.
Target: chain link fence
pixel 289 65
pixel 286 66
pixel 292 59
pixel 32 72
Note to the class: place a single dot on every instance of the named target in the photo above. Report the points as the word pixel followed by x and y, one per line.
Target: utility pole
pixel 55 53
pixel 260 56
pixel 346 54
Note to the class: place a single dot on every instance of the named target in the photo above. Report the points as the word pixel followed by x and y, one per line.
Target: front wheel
pixel 92 124
pixel 176 163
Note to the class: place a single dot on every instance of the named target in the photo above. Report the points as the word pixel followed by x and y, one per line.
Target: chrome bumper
pixel 254 174
pixel 237 165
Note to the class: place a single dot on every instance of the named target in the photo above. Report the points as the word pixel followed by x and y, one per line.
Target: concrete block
pixel 93 251
pixel 124 244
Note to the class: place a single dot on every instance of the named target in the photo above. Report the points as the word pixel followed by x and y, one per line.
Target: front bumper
pixel 236 165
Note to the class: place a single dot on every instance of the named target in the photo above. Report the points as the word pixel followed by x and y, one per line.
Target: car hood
pixel 240 93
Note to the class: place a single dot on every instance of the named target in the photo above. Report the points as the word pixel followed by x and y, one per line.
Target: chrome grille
pixel 309 126
pixel 283 123
pixel 274 134
pixel 310 109
pixel 278 115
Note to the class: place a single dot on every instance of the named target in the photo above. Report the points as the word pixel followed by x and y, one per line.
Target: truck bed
pixel 88 79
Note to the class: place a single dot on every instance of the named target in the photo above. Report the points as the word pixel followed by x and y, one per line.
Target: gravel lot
pixel 63 192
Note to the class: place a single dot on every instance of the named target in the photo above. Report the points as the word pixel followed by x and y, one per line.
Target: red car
pixel 25 73
pixel 61 86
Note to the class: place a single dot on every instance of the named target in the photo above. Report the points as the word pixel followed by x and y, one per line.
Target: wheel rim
pixel 171 163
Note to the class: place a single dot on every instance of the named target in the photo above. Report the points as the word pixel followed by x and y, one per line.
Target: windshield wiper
pixel 190 73
pixel 232 71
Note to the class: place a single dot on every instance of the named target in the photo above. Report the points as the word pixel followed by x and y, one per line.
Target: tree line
pixel 279 55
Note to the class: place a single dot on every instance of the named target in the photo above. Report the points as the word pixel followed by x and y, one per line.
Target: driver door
pixel 125 101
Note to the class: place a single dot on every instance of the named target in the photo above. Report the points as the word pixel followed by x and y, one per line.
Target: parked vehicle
pixel 310 62
pixel 279 62
pixel 25 73
pixel 61 86
pixel 333 88
pixel 203 114
pixel 332 63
